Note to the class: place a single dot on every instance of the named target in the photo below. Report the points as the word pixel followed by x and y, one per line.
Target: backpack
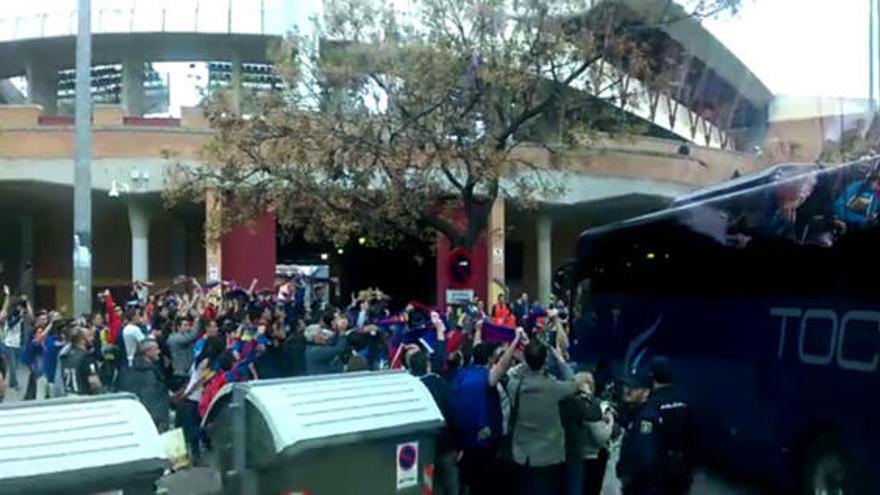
pixel 476 424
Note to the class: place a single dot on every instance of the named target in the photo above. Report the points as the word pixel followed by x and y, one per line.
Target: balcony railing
pixel 274 17
pixel 29 116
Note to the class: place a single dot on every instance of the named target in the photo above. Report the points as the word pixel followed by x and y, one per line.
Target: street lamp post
pixel 82 174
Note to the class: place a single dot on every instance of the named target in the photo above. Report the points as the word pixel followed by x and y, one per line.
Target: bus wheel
pixel 825 472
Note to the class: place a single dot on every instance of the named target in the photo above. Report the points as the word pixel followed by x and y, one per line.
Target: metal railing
pixel 273 17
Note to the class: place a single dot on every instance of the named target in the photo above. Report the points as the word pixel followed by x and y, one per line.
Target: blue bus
pixel 764 292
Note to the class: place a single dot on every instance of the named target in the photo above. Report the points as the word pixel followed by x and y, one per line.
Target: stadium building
pixel 701 134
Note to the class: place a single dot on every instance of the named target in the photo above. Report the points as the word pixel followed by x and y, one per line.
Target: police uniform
pixel 638 452
pixel 674 438
pixel 654 453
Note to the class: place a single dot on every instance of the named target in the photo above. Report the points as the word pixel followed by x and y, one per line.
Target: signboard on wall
pixel 459 296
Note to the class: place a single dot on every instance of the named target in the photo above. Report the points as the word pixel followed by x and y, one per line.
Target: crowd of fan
pixel 176 348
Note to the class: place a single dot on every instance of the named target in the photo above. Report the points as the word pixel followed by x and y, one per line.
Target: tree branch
pixel 437 223
pixel 451 177
pixel 501 140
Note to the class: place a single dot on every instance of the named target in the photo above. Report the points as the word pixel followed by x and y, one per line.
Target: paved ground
pixel 704 483
pixel 15 395
pixel 194 481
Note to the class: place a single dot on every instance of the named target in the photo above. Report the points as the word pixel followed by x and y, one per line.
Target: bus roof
pixel 800 202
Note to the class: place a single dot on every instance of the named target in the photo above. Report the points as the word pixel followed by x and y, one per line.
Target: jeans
pixel 541 480
pixel 479 470
pixel 37 387
pixel 188 419
pixel 574 475
pixel 594 473
pixel 446 474
pixel 12 365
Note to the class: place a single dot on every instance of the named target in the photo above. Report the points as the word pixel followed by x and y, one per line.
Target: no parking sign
pixel 407 465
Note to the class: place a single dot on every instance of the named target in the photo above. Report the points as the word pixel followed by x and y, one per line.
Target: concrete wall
pixel 25 135
pixel 111 249
pixel 522 230
pixel 57 142
pixel 646 158
pixel 803 139
pixel 22 137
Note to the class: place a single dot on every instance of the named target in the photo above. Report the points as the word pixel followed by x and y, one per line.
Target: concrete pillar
pixel 26 280
pixel 544 232
pixel 42 82
pixel 139 223
pixel 496 250
pixel 236 83
pixel 133 100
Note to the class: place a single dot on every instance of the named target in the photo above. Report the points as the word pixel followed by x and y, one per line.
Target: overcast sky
pixel 802 47
pixel 797 47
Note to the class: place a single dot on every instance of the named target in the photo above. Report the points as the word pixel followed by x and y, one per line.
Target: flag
pixel 497 333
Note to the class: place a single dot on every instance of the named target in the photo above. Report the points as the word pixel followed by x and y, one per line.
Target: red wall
pixel 248 252
pixel 479 256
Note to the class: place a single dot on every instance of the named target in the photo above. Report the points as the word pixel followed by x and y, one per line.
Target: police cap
pixel 660 371
pixel 638 379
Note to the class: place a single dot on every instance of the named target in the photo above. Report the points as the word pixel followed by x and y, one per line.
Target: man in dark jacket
pixel 295 349
pixel 521 308
pixel 326 345
pixel 147 381
pixel 446 452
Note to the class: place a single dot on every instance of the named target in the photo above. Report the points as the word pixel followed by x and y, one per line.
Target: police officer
pixel 674 429
pixel 655 455
pixel 638 447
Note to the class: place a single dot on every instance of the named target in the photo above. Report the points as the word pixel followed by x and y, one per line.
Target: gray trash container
pixel 79 445
pixel 358 433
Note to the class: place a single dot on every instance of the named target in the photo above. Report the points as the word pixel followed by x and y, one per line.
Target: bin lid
pixel 105 441
pixel 320 411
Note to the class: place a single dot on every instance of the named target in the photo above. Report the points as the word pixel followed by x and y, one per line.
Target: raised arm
pixel 4 312
pixel 114 323
pixel 565 372
pixel 503 364
pixel 438 358
pixel 28 307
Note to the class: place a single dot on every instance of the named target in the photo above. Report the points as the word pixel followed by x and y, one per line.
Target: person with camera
pixel 15 319
pixel 588 424
pixel 538 435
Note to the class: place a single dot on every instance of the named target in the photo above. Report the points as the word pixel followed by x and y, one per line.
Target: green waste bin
pixel 79 445
pixel 357 433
